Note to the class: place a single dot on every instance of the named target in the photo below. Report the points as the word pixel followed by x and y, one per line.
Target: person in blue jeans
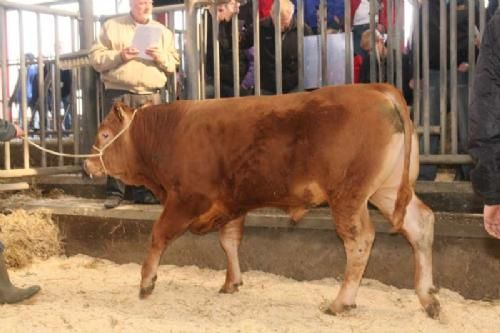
pixel 8 292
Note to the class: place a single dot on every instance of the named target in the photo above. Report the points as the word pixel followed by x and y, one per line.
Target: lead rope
pixel 100 150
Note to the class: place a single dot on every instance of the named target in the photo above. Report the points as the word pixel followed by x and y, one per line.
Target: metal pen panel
pixel 277 47
pixel 24 104
pixel 482 18
pixel 453 75
pixel 235 35
pixel 443 73
pixel 4 68
pixel 256 46
pixel 300 42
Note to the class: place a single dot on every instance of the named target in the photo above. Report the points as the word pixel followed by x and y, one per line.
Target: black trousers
pixel 115 187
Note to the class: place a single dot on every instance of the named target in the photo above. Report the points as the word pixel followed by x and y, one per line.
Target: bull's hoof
pixel 336 309
pixel 433 310
pixel 230 288
pixel 146 291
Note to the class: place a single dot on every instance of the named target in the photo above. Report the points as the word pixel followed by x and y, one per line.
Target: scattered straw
pixel 28 235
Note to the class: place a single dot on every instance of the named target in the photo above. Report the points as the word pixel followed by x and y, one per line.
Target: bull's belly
pixel 296 204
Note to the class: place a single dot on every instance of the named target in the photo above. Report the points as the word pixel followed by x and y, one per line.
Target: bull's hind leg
pixel 357 233
pixel 230 238
pixel 418 228
pixel 171 224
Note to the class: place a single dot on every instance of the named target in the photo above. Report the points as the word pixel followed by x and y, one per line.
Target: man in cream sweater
pixel 129 78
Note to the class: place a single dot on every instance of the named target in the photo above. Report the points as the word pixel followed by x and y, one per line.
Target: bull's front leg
pixel 230 238
pixel 172 223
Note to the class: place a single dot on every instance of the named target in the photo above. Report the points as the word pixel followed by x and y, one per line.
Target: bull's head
pixel 113 143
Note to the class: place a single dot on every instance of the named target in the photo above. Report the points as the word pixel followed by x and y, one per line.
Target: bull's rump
pixel 270 150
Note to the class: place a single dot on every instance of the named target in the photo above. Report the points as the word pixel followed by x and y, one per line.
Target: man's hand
pixel 154 53
pixel 129 53
pixel 491 217
pixel 463 67
pixel 19 131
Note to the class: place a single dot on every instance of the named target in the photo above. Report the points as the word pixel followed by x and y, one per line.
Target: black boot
pixel 9 293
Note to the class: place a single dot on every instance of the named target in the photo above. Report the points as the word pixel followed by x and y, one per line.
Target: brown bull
pixel 210 162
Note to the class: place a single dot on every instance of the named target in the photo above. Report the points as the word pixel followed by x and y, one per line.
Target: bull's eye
pixel 105 135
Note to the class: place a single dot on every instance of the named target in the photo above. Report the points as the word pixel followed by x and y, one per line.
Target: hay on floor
pixel 28 235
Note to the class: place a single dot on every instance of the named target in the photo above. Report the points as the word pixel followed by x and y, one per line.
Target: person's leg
pixel 115 189
pixel 429 171
pixel 9 293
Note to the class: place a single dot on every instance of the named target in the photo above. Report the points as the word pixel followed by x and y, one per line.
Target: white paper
pixel 146 36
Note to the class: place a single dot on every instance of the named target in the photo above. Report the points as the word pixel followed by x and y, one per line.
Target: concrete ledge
pixel 465 259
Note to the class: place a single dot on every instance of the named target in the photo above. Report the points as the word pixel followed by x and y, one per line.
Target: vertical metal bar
pixel 75 121
pixel 192 65
pixel 236 54
pixel 391 41
pixel 323 42
pixel 482 18
pixel 278 60
pixel 300 42
pixel 471 47
pixel 215 43
pixel 443 74
pixel 425 68
pixel 399 44
pixel 256 45
pixel 453 75
pixel 41 90
pixel 5 94
pixel 24 106
pixel 172 92
pixel 374 64
pixel 348 42
pixel 416 66
pixel 57 89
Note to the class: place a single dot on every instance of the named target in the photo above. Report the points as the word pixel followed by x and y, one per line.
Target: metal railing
pixel 191 39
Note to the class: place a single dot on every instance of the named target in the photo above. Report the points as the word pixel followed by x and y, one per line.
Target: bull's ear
pixel 119 109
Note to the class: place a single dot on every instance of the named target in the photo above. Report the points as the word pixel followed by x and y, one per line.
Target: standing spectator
pixel 31 87
pixel 380 53
pixel 334 15
pixel 484 126
pixel 226 11
pixel 289 49
pixel 360 20
pixel 8 292
pixel 129 78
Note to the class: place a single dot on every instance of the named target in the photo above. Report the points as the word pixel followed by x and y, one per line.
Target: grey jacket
pixel 7 130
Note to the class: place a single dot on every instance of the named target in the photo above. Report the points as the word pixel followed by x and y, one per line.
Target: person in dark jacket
pixel 225 12
pixel 289 50
pixel 8 292
pixel 484 126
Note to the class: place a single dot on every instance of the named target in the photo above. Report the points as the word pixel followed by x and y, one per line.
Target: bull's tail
pixel 405 190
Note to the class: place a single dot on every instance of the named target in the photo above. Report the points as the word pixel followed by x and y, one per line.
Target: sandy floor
pixel 84 294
